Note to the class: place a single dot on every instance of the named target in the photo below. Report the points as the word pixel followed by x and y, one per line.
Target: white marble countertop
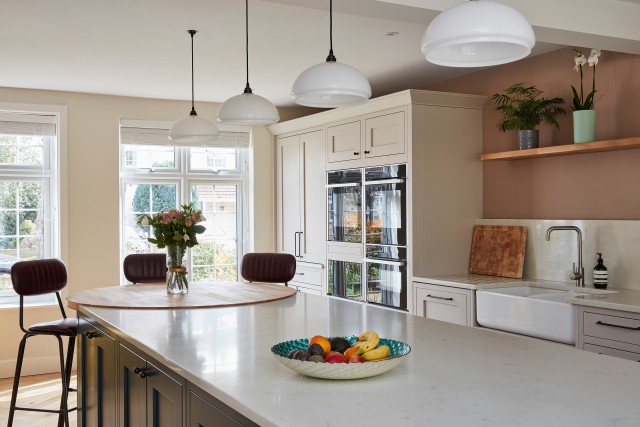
pixel 454 375
pixel 612 298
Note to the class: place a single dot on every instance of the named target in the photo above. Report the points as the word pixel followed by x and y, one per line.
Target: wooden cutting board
pixel 498 250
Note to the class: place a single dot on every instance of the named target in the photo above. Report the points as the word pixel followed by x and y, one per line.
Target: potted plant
pixel 584 113
pixel 523 109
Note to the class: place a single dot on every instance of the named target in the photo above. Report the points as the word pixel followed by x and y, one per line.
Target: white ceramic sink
pixel 528 310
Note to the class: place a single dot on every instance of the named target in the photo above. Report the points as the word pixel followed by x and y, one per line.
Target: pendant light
pixel 193 130
pixel 330 84
pixel 248 108
pixel 478 33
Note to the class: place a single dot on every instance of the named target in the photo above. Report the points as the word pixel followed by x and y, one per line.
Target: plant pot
pixel 584 126
pixel 528 139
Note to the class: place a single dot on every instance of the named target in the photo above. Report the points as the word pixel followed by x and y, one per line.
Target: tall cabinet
pixel 301 205
pixel 437 135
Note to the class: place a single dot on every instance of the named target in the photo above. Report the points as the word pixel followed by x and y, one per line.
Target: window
pixel 156 177
pixel 28 193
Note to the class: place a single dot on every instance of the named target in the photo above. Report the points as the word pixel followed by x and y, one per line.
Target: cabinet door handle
pixel 91 334
pixel 618 326
pixel 142 372
pixel 443 298
pixel 366 152
pixel 300 244
pixel 356 153
pixel 295 243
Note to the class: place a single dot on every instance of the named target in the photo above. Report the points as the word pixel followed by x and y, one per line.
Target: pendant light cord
pixel 247 88
pixel 193 108
pixel 331 58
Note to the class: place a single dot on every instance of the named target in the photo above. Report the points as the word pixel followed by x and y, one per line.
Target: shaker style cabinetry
pixel 309 278
pixel 147 396
pixel 612 332
pixel 374 139
pixel 453 305
pixel 97 365
pixel 300 194
pixel 209 412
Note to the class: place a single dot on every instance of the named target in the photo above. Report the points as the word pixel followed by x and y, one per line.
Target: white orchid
pixel 580 60
pixel 144 221
pixel 593 61
pixel 596 52
pixel 580 102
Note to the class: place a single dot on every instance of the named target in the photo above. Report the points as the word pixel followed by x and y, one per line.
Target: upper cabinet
pixel 369 140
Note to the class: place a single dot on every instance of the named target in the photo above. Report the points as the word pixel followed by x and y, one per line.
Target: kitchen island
pixel 454 375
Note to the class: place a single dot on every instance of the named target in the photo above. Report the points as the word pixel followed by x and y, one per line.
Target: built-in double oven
pixel 367 235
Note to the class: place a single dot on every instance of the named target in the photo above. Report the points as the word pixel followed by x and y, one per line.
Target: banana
pixel 371 340
pixel 376 354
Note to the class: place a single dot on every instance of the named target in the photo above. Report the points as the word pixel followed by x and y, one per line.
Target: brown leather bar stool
pixel 41 277
pixel 268 267
pixel 145 268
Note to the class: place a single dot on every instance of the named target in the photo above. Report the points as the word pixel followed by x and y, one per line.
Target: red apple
pixel 356 359
pixel 334 357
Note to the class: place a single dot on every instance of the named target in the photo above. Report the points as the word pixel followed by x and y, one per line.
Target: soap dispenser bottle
pixel 600 274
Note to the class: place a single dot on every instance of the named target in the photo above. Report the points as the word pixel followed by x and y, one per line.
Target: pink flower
pixel 166 219
pixel 188 222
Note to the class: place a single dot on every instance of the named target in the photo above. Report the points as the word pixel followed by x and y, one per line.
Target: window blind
pixel 141 132
pixel 23 124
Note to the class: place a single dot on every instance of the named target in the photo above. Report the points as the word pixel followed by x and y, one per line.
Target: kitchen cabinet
pixel 300 195
pixel 147 396
pixel 612 332
pixel 370 140
pixel 309 278
pixel 97 380
pixel 210 412
pixel 444 303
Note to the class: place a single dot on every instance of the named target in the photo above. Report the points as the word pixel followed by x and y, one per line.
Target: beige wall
pixel 586 186
pixel 92 212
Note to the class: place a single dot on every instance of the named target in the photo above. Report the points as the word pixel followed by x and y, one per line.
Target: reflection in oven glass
pixel 345 280
pixel 385 285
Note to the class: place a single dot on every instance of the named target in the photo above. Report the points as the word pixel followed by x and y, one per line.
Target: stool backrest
pixel 38 277
pixel 268 267
pixel 145 268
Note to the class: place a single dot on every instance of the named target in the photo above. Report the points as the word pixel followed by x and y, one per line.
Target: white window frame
pixel 188 177
pixel 51 174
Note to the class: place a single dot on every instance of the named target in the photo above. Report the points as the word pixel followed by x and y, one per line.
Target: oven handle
pixel 348 184
pixel 386 181
pixel 385 262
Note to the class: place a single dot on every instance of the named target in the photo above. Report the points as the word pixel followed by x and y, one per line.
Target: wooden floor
pixel 42 391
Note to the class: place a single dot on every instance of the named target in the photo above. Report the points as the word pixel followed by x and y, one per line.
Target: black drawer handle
pixel 356 153
pixel 299 274
pixel 142 372
pixel 366 152
pixel 617 326
pixel 91 334
pixel 443 298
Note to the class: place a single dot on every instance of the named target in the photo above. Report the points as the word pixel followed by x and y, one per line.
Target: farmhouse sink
pixel 528 310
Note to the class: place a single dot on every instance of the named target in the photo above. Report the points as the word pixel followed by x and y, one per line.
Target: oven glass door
pixel 344 202
pixel 345 280
pixel 386 217
pixel 386 276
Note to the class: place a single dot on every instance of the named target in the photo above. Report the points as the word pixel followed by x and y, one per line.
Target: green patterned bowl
pixel 340 371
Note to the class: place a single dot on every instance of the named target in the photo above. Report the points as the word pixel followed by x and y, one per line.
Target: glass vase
pixel 176 271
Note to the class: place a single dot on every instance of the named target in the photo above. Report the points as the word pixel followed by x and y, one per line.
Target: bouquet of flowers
pixel 579 101
pixel 174 227
pixel 176 230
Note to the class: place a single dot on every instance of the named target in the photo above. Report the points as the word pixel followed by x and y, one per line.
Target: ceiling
pixel 141 48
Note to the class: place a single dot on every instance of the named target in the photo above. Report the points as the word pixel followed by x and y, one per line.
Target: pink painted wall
pixel 586 186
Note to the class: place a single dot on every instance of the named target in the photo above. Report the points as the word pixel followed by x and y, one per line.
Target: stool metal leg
pixel 16 379
pixel 63 416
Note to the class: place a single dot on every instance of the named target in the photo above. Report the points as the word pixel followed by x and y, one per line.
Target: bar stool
pixel 40 277
pixel 268 267
pixel 145 268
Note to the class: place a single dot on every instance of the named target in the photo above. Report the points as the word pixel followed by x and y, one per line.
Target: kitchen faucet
pixel 578 274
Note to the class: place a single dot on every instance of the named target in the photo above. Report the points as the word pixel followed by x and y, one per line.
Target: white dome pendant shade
pixel 248 108
pixel 478 33
pixel 330 84
pixel 193 130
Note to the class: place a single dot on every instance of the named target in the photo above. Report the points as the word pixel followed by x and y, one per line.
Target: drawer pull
pixel 299 274
pixel 91 334
pixel 617 326
pixel 433 296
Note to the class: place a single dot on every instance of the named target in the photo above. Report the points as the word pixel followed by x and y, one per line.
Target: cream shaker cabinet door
pixel 385 135
pixel 313 237
pixel 343 142
pixel 290 189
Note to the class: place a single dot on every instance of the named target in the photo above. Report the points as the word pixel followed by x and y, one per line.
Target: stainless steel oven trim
pixel 385 262
pixel 386 181
pixel 349 184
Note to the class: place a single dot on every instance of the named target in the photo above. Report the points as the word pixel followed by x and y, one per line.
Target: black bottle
pixel 600 274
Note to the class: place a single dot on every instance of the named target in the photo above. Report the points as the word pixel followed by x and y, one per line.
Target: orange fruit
pixel 322 341
pixel 350 352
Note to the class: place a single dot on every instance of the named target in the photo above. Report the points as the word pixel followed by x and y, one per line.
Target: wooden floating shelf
pixel 565 150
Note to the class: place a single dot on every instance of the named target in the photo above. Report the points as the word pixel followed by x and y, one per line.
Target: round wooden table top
pixel 154 296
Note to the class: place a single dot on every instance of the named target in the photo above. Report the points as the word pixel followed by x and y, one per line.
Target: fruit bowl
pixel 340 371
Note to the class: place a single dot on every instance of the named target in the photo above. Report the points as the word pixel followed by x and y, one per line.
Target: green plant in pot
pixel 523 108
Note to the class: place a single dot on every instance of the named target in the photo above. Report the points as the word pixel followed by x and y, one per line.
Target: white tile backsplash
pixel 619 242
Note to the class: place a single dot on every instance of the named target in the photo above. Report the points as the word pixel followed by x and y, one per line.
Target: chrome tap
pixel 578 274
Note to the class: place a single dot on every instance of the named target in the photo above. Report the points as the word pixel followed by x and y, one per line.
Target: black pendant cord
pixel 193 108
pixel 247 88
pixel 331 58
